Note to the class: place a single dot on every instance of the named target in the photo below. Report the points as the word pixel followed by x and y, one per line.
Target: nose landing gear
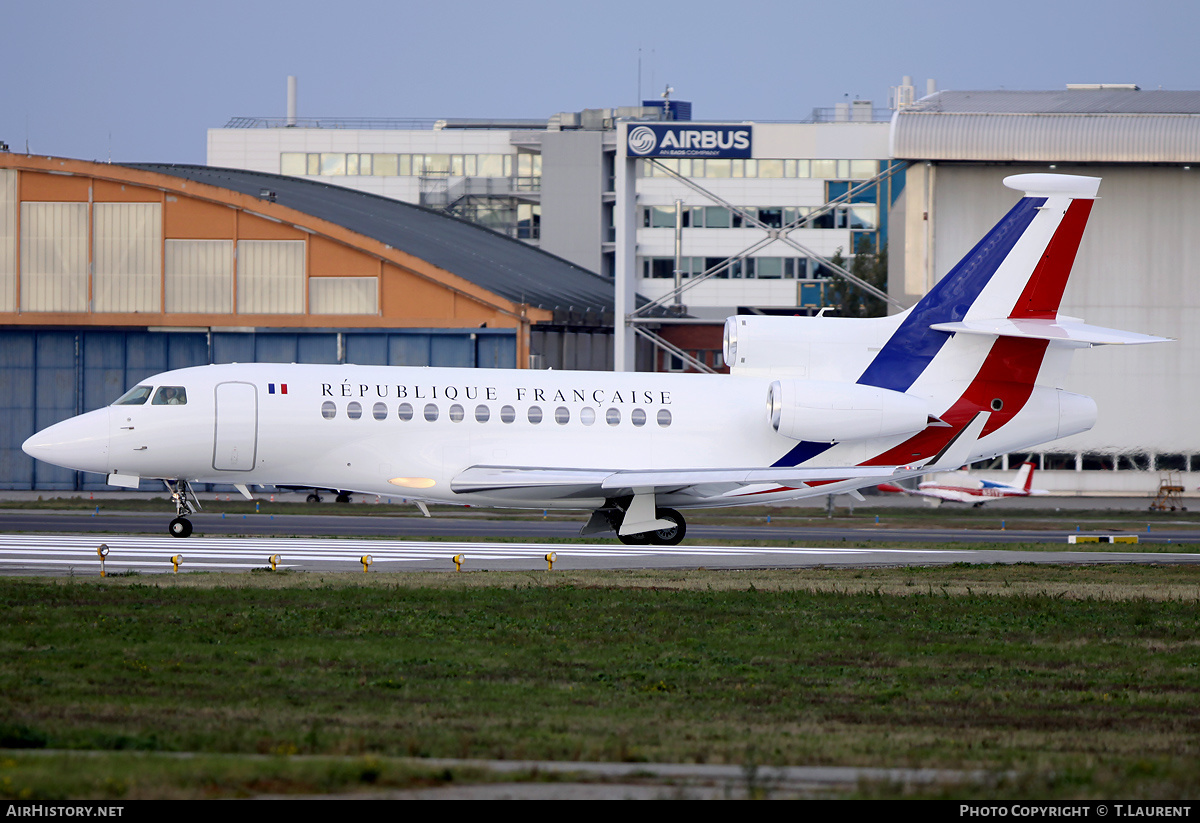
pixel 186 502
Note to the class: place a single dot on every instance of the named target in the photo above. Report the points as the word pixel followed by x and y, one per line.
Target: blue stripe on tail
pixel 914 344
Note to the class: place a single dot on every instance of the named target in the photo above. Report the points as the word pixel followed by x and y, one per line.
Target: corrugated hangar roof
pixel 493 261
pixel 1085 125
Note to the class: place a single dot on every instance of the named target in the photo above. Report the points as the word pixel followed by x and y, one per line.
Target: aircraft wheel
pixel 642 539
pixel 343 498
pixel 180 527
pixel 312 498
pixel 672 536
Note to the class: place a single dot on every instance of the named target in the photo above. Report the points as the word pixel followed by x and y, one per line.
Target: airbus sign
pixel 688 140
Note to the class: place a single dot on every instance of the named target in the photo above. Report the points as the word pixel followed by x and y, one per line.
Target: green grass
pixel 1080 682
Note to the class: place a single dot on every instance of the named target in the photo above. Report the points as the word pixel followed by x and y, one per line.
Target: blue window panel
pixel 145 355
pixel 408 349
pixel 16 408
pixel 317 348
pixel 366 349
pixel 455 351
pixel 186 349
pixel 496 351
pixel 233 347
pixel 275 348
pixel 55 398
pixel 105 376
pixel 836 188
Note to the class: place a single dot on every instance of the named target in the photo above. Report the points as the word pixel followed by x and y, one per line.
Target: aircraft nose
pixel 76 443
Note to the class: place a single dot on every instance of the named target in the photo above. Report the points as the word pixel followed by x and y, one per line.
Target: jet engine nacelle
pixel 828 412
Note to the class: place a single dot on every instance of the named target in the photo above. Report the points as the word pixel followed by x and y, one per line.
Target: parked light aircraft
pixel 963 487
pixel 812 406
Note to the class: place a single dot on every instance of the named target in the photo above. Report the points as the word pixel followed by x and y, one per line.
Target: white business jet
pixel 812 406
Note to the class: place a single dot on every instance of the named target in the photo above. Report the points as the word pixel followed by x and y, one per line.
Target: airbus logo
pixel 642 140
pixel 689 141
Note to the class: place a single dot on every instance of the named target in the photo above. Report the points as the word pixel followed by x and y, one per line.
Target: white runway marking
pixel 76 554
pixel 24 552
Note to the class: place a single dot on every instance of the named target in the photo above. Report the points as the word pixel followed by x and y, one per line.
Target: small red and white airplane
pixel 963 487
pixel 974 370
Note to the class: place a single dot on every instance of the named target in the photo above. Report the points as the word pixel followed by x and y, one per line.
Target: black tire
pixel 312 498
pixel 642 539
pixel 672 536
pixel 180 527
pixel 343 498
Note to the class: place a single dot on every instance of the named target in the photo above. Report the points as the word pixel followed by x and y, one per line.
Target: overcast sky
pixel 143 81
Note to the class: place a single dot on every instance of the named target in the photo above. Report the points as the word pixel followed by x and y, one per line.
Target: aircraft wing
pixel 521 481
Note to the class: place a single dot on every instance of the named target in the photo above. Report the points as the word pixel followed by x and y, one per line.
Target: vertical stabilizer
pixel 1024 478
pixel 1019 269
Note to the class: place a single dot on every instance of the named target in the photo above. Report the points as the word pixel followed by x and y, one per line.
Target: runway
pixel 485 528
pixel 76 554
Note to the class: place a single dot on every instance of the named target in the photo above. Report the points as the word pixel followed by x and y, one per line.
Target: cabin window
pixel 587 415
pixel 170 396
pixel 664 417
pixel 482 414
pixel 612 417
pixel 405 412
pixel 134 397
pixel 535 414
pixel 379 411
pixel 562 415
pixel 638 417
pixel 457 413
pixel 328 410
pixel 508 414
pixel 431 412
pixel 354 410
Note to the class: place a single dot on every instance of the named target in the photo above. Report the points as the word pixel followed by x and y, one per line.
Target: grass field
pixel 1064 682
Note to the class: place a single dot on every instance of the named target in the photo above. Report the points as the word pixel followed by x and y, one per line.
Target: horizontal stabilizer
pixel 1059 330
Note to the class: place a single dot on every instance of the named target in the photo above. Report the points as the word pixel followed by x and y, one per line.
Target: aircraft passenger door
pixel 235 439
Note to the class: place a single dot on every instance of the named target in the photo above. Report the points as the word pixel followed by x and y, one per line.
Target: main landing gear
pixel 186 502
pixel 315 496
pixel 671 536
pixel 665 528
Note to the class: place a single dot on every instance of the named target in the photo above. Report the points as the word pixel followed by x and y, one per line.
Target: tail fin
pixel 1024 478
pixel 975 345
pixel 1018 270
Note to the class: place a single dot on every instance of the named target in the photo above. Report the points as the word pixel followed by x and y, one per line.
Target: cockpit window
pixel 134 397
pixel 170 396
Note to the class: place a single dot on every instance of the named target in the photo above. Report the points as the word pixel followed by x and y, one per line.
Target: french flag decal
pixel 282 388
